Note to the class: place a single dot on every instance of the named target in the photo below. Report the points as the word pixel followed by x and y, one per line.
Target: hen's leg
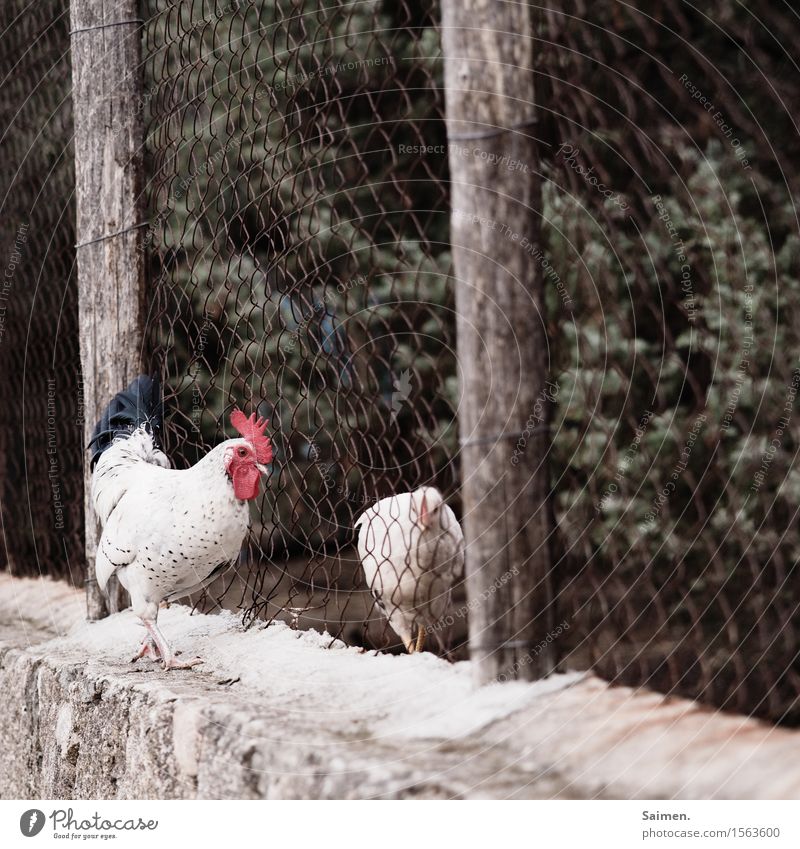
pixel 167 655
pixel 403 630
pixel 421 633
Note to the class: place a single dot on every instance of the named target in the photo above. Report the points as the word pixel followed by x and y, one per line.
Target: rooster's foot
pixel 174 663
pixel 147 649
pixel 166 655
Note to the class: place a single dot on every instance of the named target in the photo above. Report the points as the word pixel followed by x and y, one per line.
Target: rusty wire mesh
pixel 278 131
pixel 672 157
pixel 300 262
pixel 40 414
pixel 300 266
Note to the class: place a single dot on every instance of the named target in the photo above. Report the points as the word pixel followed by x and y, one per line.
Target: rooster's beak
pixel 263 469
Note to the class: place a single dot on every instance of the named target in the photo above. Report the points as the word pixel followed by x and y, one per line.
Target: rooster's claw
pixel 174 663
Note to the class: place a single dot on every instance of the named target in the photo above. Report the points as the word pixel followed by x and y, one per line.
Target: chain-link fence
pixel 41 410
pixel 301 258
pixel 672 154
pixel 299 264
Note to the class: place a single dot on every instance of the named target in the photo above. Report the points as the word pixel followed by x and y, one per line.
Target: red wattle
pixel 245 482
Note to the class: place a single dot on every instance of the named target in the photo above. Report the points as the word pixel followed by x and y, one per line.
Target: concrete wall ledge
pixel 275 713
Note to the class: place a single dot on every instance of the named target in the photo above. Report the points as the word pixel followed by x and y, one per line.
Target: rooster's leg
pixel 147 649
pixel 167 655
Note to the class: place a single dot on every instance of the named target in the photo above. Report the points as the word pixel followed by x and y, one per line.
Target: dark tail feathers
pixel 140 404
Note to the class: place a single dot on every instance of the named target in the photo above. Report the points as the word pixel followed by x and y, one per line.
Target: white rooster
pixel 412 551
pixel 166 532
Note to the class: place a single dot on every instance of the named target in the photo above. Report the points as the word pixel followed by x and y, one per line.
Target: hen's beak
pixel 263 469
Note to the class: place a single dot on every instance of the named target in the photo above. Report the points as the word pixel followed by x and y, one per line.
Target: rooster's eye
pixel 242 452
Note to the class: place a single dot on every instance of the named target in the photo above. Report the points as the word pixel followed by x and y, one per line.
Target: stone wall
pixel 79 720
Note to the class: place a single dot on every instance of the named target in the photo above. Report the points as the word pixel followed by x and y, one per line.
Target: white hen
pixel 412 551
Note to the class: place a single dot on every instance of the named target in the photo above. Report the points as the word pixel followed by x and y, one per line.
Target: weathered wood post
pixel 109 175
pixel 489 52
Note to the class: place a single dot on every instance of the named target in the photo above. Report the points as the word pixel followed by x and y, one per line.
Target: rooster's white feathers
pixel 166 532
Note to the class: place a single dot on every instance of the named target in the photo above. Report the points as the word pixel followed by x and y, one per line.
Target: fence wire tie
pixel 112 235
pixel 490 134
pixel 500 437
pixel 105 26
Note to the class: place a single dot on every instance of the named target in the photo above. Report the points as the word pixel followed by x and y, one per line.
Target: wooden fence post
pixel 106 40
pixel 496 206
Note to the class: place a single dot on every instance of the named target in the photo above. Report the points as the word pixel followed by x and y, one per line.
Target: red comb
pixel 252 430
